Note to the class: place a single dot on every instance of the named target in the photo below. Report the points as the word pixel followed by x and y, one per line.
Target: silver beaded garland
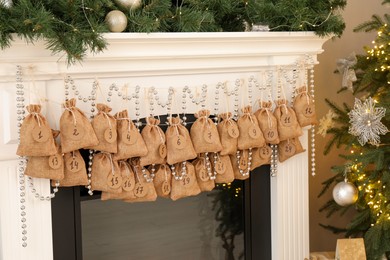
pixel 183 171
pixel 312 129
pixel 149 178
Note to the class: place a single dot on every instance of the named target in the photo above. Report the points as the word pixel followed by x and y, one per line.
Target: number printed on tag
pixel 55 161
pixel 203 175
pixel 265 152
pixel 289 149
pixel 110 135
pixel 233 131
pixel 186 181
pixel 270 134
pixel 74 164
pixel 74 132
pixel 162 150
pixel 179 142
pixel 166 188
pixel 128 183
pixel 129 137
pixel 220 167
pixel 208 137
pixel 140 190
pixel 308 110
pixel 254 131
pixel 243 163
pixel 41 134
pixel 286 119
pixel 114 181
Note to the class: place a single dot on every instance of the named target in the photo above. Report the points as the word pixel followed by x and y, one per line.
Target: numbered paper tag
pixel 220 167
pixel 265 152
pixel 166 188
pixel 270 134
pixel 203 175
pixel 128 183
pixel 74 132
pixel 55 161
pixel 74 164
pixel 114 181
pixel 208 136
pixel 254 131
pixel 179 142
pixel 289 149
pixel 286 120
pixel 162 150
pixel 233 130
pixel 140 190
pixel 129 137
pixel 186 181
pixel 308 110
pixel 243 163
pixel 41 134
pixel 110 135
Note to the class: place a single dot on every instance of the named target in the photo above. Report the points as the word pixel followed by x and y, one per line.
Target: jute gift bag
pixel 241 165
pixel 162 181
pixel 154 138
pixel 304 108
pixel 48 167
pixel 250 133
pixel 228 133
pixel 128 184
pixel 288 126
pixel 179 144
pixel 223 168
pixel 268 123
pixel 105 174
pixel 104 126
pixel 75 172
pixel 204 134
pixel 130 142
pixel 76 130
pixel 261 156
pixel 36 138
pixel 186 186
pixel 143 190
pixel 289 148
pixel 203 173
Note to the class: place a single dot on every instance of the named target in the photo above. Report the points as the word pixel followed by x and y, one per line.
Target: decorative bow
pixel 344 67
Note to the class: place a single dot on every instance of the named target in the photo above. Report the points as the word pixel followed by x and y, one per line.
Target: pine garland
pixel 74 28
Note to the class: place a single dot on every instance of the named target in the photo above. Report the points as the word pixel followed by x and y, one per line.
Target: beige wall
pixel 327 84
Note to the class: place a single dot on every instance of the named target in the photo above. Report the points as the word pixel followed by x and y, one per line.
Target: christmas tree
pixel 364 179
pixel 76 27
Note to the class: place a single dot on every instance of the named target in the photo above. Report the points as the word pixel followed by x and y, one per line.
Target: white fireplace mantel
pixel 161 60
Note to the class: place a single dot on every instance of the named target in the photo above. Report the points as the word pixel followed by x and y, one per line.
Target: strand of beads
pixel 183 171
pixel 274 147
pixel 195 100
pixel 210 173
pixel 150 177
pixel 21 160
pixel 312 129
pixel 91 152
pixel 238 157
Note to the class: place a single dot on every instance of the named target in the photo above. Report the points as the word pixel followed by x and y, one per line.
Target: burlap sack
pixel 48 167
pixel 154 138
pixel 268 123
pixel 143 190
pixel 261 156
pixel 242 165
pixel 36 138
pixel 128 184
pixel 75 172
pixel 130 142
pixel 104 126
pixel 179 144
pixel 162 181
pixel 304 108
pixel 250 133
pixel 76 130
pixel 105 174
pixel 228 133
pixel 224 169
pixel 288 126
pixel 202 175
pixel 289 148
pixel 186 187
pixel 204 134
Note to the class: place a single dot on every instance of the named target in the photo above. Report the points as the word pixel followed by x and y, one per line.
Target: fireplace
pixel 166 60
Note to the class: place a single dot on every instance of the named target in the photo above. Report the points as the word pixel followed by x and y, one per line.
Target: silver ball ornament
pixel 129 4
pixel 345 193
pixel 116 21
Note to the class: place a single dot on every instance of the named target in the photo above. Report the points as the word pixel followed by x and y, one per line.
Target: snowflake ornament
pixel 365 120
pixel 326 123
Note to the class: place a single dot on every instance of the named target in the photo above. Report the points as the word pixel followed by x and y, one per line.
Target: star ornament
pixel 365 120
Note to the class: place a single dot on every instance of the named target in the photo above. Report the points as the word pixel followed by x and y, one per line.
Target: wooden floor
pixel 161 230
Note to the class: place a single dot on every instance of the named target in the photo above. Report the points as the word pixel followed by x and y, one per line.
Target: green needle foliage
pixel 76 27
pixel 370 164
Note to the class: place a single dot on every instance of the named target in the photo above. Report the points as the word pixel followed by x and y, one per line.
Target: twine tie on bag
pixel 128 120
pixel 158 130
pixel 74 116
pixel 36 115
pixel 112 163
pixel 108 119
pixel 269 118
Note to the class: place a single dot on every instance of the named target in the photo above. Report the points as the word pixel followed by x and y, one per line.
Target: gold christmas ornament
pixel 129 4
pixel 116 21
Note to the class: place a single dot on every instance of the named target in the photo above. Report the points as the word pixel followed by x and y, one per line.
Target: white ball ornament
pixel 345 193
pixel 116 21
pixel 129 4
